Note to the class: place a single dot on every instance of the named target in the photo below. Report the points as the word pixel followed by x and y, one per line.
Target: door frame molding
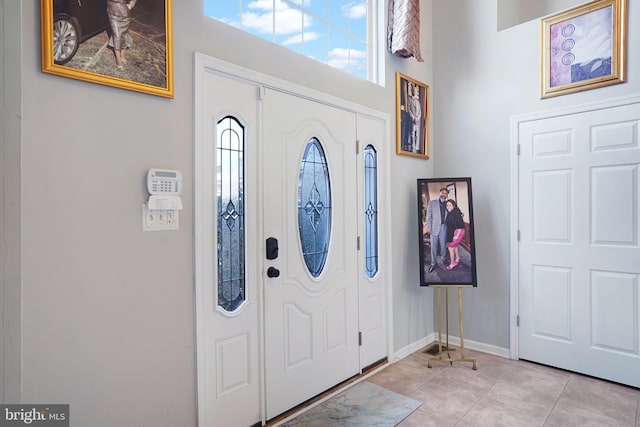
pixel 514 172
pixel 204 64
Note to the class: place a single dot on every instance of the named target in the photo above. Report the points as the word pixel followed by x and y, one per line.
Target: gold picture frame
pixel 75 43
pixel 583 48
pixel 412 117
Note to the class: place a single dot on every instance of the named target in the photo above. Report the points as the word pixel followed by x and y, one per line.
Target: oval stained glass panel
pixel 314 207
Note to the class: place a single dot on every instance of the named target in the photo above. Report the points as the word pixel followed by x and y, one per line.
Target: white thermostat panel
pixel 164 182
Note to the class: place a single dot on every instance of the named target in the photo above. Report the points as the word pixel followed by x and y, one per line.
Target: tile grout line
pixel 558 399
pixel 477 401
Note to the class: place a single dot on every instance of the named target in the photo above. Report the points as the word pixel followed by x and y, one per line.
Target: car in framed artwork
pixel 74 22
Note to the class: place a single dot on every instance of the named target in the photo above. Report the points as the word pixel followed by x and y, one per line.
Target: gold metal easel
pixel 442 350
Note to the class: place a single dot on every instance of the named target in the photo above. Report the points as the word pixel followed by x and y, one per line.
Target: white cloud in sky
pixel 355 10
pixel 347 59
pixel 260 19
pixel 296 39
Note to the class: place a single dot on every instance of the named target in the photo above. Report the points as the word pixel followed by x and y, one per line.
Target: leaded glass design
pixel 230 210
pixel 371 210
pixel 314 207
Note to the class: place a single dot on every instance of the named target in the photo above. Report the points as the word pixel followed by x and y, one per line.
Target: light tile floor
pixel 505 392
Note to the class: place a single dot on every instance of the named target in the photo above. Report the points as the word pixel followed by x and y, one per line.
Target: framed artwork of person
pixel 120 43
pixel 412 117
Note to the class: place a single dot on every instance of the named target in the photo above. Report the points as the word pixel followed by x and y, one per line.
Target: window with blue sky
pixel 331 31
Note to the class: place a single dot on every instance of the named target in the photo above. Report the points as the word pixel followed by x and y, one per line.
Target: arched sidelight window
pixel 230 214
pixel 371 210
pixel 314 207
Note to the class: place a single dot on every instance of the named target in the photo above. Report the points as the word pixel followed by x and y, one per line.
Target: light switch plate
pixel 159 219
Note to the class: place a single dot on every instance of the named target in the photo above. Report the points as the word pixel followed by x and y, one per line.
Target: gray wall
pixel 10 202
pixel 108 310
pixel 483 77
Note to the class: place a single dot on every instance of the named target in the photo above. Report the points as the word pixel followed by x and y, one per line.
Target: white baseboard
pixel 468 344
pixel 413 347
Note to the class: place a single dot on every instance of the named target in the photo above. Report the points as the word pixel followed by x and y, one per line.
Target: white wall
pixel 483 77
pixel 9 202
pixel 413 313
pixel 515 12
pixel 108 310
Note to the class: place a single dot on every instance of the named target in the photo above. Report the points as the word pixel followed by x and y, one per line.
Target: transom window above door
pixel 336 32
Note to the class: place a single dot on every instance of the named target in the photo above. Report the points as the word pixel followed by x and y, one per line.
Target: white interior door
pixel 579 258
pixel 311 307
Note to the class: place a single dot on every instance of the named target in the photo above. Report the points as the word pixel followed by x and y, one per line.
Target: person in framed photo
pixel 455 232
pixel 436 227
pixel 405 117
pixel 415 113
pixel 119 13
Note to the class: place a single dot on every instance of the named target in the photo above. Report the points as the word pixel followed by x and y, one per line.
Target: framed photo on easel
pixel 446 232
pixel 412 117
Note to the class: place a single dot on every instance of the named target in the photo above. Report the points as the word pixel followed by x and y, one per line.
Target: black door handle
pixel 272 248
pixel 273 272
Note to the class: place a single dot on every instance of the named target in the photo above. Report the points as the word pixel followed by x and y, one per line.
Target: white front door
pixel 579 257
pixel 264 349
pixel 310 208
